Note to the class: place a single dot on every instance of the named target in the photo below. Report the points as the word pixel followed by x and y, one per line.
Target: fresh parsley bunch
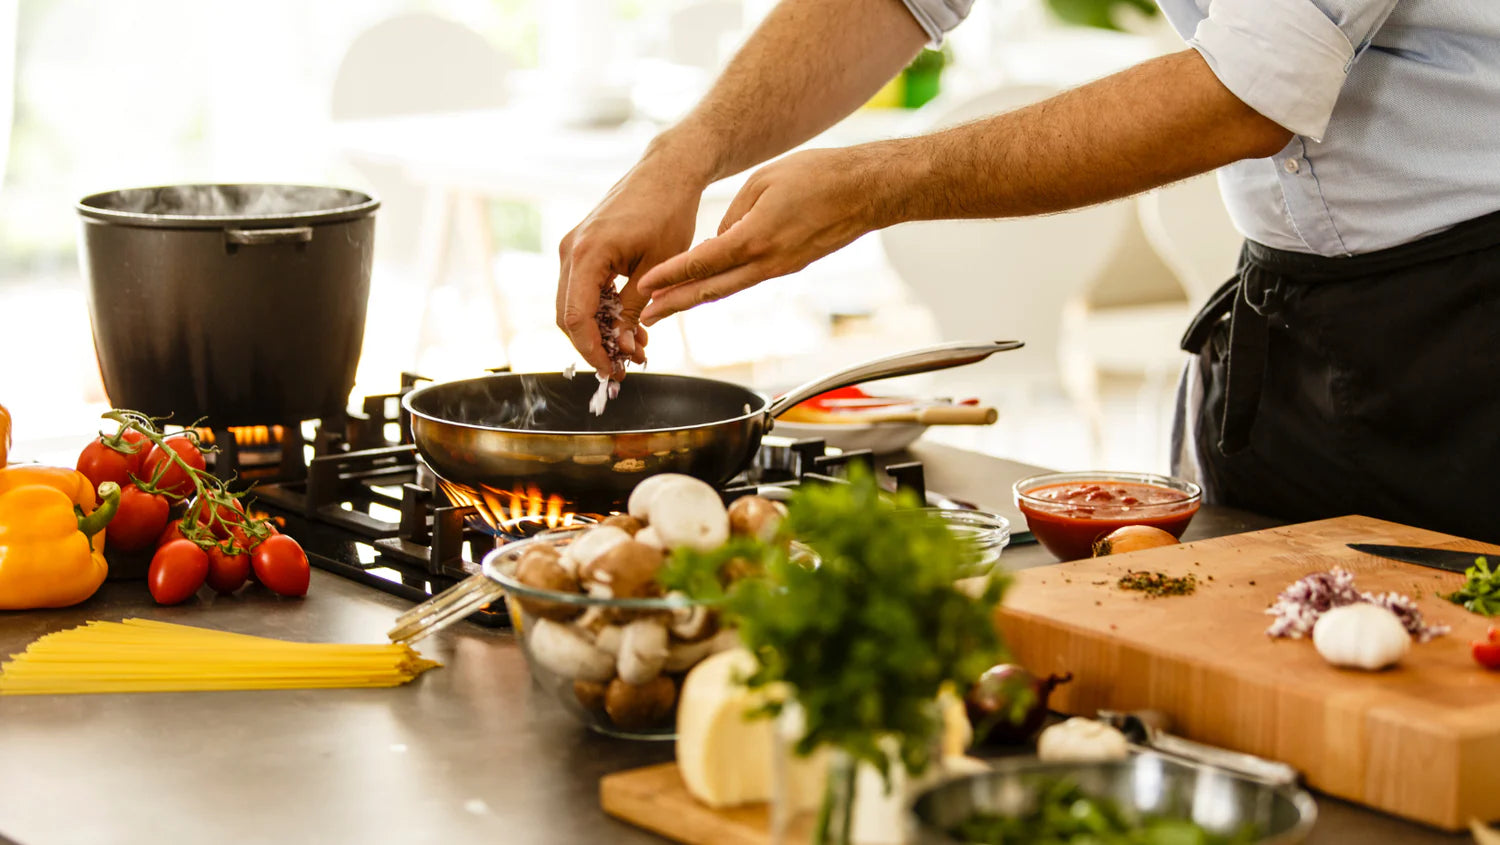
pixel 867 637
pixel 1481 593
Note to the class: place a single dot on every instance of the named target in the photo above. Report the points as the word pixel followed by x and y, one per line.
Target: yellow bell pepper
pixel 4 435
pixel 50 555
pixel 70 482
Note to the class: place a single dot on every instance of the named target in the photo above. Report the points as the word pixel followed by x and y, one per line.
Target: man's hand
pixel 789 213
pixel 647 217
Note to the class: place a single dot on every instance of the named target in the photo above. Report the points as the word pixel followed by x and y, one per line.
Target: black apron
pixel 1360 385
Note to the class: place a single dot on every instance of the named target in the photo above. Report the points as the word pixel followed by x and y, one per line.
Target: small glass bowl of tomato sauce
pixel 1069 511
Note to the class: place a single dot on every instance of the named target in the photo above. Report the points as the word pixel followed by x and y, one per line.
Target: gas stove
pixel 359 499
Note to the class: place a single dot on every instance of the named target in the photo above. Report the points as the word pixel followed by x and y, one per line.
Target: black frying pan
pixel 516 431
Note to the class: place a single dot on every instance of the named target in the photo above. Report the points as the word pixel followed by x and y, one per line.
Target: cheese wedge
pixel 726 758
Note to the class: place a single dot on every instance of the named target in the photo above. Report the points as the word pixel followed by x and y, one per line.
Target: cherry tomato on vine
pixel 227 573
pixel 177 570
pixel 173 531
pixel 141 519
pixel 142 449
pixel 233 515
pixel 99 464
pixel 281 565
pixel 174 480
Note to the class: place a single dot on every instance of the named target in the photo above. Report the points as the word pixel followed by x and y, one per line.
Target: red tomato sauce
pixel 1077 513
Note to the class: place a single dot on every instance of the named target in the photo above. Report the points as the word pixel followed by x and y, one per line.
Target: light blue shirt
pixel 1395 106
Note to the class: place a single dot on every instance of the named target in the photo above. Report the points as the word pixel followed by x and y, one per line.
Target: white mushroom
pixel 608 639
pixel 643 650
pixel 684 656
pixel 689 515
pixel 639 505
pixel 563 651
pixel 647 536
pixel 692 623
pixel 753 516
pixel 590 544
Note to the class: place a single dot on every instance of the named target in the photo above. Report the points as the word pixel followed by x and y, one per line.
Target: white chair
pixel 1188 228
pixel 9 22
pixel 412 64
pixel 1008 279
pixel 695 32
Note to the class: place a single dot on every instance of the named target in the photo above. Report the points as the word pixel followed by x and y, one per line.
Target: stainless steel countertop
pixel 468 753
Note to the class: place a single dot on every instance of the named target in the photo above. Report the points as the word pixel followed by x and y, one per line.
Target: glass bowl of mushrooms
pixel 599 631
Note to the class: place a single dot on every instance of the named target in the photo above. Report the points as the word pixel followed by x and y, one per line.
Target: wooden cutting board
pixel 656 799
pixel 1420 740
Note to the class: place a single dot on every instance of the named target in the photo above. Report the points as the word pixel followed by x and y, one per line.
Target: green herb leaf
pixel 1481 592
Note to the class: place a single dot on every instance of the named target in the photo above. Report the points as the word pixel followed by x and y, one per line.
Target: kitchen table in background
pixel 469 753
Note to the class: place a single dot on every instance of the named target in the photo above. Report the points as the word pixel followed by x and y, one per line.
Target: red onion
pixel 1298 607
pixel 992 700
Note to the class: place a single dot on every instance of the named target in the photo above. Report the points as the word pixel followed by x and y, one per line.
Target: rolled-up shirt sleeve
pixel 938 16
pixel 1288 59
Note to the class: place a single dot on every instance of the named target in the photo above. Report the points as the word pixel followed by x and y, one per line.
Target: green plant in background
pixel 922 79
pixel 1099 13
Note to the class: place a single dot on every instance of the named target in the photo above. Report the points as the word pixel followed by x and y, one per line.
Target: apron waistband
pixel 1256 292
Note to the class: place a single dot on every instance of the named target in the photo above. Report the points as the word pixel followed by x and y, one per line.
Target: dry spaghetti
pixel 141 655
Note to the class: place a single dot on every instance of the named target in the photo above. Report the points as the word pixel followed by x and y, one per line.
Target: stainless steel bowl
pixel 1142 785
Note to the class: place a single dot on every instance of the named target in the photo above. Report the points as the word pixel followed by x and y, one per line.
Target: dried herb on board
pixel 1156 584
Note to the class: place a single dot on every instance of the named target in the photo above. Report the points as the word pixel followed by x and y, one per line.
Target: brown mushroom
pixel 625 570
pixel 590 544
pixel 637 707
pixel 590 694
pixel 754 516
pixel 541 567
pixel 625 522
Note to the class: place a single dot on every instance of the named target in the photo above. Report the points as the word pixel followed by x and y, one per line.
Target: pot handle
pixel 257 237
pixel 923 360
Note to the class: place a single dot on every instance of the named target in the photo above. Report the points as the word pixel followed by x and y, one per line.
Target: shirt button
pixel 1292 165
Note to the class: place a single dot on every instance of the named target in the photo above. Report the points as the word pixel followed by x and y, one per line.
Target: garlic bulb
pixel 1081 740
pixel 1361 636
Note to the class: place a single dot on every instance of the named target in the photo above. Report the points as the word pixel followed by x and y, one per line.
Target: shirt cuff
pixel 938 16
pixel 1283 58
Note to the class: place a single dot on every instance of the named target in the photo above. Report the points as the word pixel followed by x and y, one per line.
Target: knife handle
pixel 1258 768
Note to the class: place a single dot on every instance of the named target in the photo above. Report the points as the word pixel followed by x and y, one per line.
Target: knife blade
pixel 1450 560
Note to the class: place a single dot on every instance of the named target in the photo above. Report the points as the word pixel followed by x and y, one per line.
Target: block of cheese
pixel 725 758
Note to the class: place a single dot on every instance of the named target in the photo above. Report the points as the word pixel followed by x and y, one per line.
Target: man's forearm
pixel 809 64
pixel 1153 124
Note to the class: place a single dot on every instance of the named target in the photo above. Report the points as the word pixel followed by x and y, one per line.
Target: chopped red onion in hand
pixel 1298 607
pixel 608 314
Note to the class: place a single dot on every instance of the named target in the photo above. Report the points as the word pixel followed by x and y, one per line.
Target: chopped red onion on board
pixel 1298 607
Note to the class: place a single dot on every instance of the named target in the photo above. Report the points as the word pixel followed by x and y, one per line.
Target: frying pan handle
pixel 923 360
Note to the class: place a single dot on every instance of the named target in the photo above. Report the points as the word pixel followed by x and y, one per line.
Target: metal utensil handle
pixel 924 360
pixel 1248 765
pixel 445 608
pixel 257 237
